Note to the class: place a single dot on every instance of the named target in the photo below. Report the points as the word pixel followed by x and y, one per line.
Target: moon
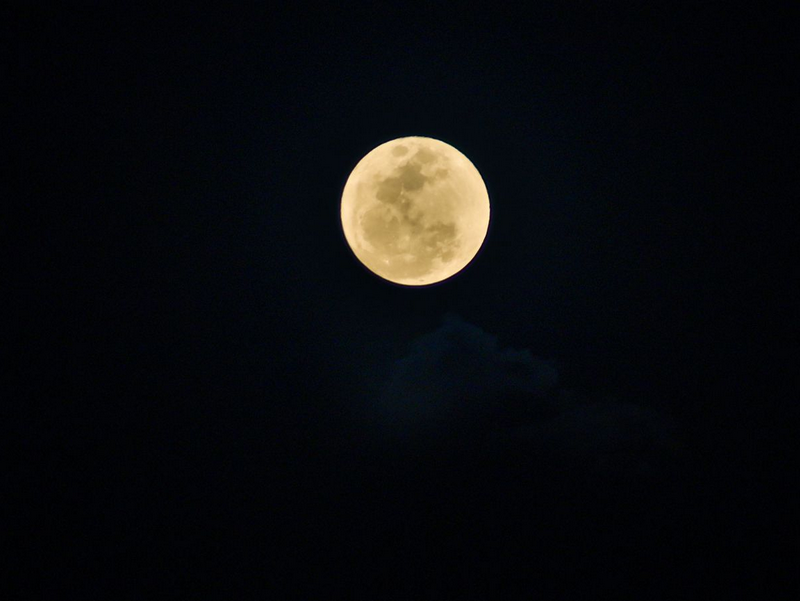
pixel 415 211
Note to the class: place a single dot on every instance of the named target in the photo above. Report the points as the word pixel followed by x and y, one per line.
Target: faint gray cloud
pixel 459 385
pixel 460 372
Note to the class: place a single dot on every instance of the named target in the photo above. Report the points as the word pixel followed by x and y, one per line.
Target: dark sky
pixel 218 400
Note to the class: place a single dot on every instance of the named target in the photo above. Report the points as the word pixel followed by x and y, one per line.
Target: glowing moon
pixel 415 211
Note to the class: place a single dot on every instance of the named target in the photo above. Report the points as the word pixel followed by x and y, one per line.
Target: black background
pixel 202 352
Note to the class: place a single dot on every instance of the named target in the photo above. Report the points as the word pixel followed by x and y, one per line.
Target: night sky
pixel 217 400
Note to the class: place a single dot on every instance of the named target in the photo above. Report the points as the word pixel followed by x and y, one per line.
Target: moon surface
pixel 415 211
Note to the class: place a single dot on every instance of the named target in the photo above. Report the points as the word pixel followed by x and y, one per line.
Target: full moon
pixel 415 211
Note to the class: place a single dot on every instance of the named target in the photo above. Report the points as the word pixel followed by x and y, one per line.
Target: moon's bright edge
pixel 415 211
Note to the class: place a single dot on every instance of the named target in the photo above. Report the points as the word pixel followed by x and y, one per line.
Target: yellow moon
pixel 415 211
